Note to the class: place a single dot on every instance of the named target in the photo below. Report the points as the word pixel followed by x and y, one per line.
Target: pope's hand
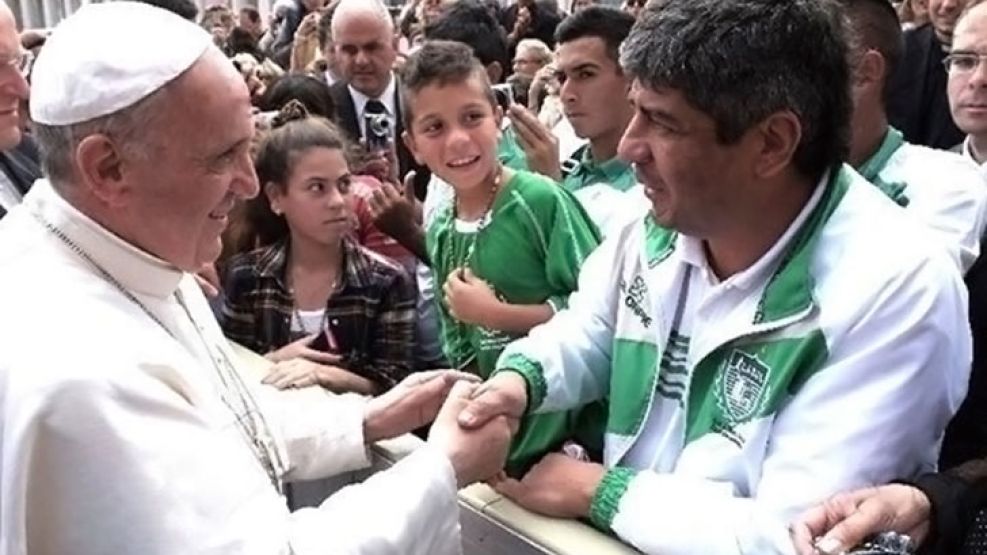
pixel 505 394
pixel 409 405
pixel 476 454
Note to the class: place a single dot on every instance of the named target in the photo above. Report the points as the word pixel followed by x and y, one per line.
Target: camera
pixel 378 131
pixel 504 93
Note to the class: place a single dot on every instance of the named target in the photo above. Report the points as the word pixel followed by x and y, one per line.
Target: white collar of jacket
pixel 789 290
pixel 135 269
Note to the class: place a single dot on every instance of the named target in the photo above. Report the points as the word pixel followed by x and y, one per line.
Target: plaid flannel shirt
pixel 372 309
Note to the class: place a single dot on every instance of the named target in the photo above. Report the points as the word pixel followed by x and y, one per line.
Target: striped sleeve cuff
pixel 606 500
pixel 532 373
pixel 558 303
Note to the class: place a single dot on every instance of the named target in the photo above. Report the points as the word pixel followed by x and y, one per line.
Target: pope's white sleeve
pixel 130 466
pixel 566 360
pixel 896 374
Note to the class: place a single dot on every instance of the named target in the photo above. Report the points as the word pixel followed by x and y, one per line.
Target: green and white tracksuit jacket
pixel 838 366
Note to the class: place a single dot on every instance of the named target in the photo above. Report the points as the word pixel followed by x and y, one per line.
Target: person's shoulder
pixel 917 162
pixel 379 270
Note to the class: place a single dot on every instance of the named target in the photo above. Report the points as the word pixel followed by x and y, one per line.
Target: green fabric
pixel 872 168
pixel 606 499
pixel 615 173
pixel 765 366
pixel 530 251
pixel 533 375
pixel 509 152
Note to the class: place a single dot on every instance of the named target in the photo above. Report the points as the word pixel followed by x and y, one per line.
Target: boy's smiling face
pixel 454 131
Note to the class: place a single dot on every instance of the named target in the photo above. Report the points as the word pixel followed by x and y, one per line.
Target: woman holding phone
pixel 327 311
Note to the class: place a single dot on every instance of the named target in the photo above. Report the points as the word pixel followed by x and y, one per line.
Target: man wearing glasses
pixel 967 83
pixel 18 155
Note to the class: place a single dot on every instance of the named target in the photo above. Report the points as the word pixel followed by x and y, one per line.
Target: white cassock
pixel 116 439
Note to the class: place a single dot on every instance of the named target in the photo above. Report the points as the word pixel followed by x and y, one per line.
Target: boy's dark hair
pixel 439 62
pixel 470 22
pixel 739 61
pixel 183 8
pixel 605 23
pixel 312 92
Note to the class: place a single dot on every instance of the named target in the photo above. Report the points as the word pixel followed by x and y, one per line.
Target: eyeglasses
pixel 21 61
pixel 962 62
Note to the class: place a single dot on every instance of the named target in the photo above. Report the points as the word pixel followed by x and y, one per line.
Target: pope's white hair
pixel 350 8
pixel 130 130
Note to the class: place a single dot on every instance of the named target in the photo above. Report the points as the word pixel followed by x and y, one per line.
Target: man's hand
pixel 394 213
pixel 521 23
pixel 409 405
pixel 558 486
pixel 301 349
pixel 381 164
pixel 505 394
pixel 308 27
pixel 475 454
pixel 848 519
pixel 294 373
pixel 541 147
pixel 469 298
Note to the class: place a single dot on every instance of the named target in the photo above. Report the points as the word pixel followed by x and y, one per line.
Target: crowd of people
pixel 704 274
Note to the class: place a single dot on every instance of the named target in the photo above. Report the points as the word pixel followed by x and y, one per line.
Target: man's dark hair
pixel 605 23
pixel 439 62
pixel 312 92
pixel 252 14
pixel 183 8
pixel 873 25
pixel 740 61
pixel 470 22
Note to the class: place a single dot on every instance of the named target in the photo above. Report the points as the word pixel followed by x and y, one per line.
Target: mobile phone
pixel 504 93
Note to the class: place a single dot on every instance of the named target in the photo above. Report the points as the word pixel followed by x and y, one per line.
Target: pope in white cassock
pixel 126 427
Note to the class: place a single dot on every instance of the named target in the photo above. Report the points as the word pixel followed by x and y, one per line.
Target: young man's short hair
pixel 470 22
pixel 605 23
pixel 440 62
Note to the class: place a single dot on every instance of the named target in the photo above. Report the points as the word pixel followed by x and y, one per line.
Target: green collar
pixel 614 172
pixel 872 168
pixel 789 290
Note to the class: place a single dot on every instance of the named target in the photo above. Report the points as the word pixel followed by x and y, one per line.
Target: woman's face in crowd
pixel 315 199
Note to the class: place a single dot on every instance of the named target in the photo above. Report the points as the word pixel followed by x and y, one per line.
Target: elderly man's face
pixel 13 85
pixel 199 167
pixel 680 162
pixel 365 52
pixel 967 86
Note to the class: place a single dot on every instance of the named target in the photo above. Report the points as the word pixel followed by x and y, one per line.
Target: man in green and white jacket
pixel 776 330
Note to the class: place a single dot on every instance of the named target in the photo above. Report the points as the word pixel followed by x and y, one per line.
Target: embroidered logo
pixel 635 299
pixel 741 386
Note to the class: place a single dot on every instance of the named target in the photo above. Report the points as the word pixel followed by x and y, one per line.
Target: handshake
pixel 473 422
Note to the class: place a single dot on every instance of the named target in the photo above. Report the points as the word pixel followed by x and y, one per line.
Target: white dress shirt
pixel 116 438
pixel 387 98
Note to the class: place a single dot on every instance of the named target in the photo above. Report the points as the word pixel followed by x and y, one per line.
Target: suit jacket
pixel 917 102
pixel 21 165
pixel 346 118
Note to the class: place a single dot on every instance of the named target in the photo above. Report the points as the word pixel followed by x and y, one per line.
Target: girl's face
pixel 454 132
pixel 315 200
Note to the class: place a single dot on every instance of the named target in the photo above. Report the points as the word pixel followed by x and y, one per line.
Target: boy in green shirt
pixel 507 250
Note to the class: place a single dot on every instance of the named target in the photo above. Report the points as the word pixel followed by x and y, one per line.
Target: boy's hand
pixel 469 298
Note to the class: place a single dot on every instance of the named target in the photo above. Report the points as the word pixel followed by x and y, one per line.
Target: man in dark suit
pixel 365 48
pixel 917 102
pixel 18 156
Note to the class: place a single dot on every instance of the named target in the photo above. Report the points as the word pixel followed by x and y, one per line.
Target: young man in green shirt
pixel 594 92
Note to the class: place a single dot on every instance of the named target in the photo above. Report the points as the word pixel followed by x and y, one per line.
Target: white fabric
pixel 115 440
pixel 387 98
pixel 891 308
pixel 307 321
pixel 657 446
pixel 612 209
pixel 945 193
pixel 966 149
pixel 86 69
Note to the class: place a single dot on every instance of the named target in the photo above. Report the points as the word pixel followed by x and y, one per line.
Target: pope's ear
pixel 100 167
